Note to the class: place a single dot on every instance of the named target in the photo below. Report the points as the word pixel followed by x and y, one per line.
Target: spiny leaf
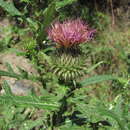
pixel 27 101
pixel 23 75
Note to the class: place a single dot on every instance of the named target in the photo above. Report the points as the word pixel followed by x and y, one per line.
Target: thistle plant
pixel 68 35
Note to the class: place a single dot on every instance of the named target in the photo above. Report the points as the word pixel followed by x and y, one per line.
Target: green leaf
pixel 7 88
pixel 121 121
pixel 5 73
pixel 30 124
pixel 97 79
pixel 23 75
pixel 27 101
pixel 10 8
pixel 94 66
pixel 49 16
pixel 33 24
pixel 26 1
pixel 63 3
pixel 9 67
pixel 118 107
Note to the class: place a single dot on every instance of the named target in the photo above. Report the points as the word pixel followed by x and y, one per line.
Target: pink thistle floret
pixel 70 33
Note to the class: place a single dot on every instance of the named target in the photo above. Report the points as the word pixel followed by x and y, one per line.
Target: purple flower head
pixel 70 33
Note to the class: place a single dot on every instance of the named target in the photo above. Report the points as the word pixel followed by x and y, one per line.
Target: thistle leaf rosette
pixel 70 33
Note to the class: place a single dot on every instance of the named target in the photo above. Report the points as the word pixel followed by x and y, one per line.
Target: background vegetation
pixel 97 100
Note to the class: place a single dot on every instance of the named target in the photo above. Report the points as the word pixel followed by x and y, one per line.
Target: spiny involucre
pixel 70 33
